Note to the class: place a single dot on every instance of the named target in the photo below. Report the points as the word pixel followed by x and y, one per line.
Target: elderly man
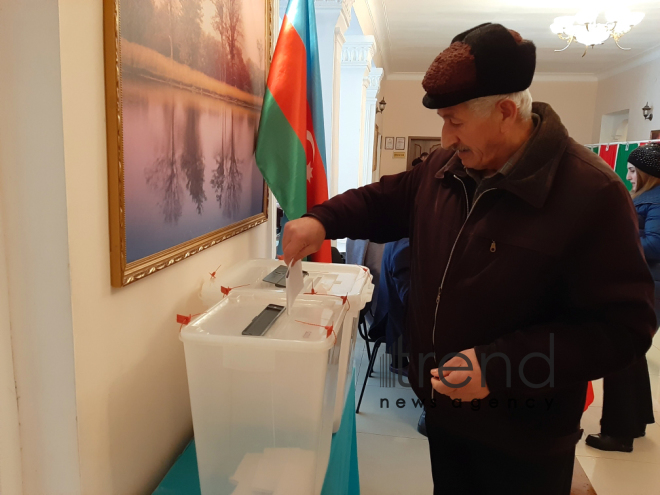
pixel 527 276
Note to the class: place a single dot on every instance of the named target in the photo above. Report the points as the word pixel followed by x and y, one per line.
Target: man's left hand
pixel 470 390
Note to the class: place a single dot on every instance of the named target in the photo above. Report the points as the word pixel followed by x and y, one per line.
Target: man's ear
pixel 508 111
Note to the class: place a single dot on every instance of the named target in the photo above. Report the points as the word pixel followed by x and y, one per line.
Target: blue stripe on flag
pixel 302 16
pixel 314 91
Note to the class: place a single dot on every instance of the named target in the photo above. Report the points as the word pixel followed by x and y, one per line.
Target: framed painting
pixel 185 81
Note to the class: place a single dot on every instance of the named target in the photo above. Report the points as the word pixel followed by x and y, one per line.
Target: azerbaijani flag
pixel 291 143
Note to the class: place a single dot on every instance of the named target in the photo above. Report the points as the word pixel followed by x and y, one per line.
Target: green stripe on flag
pixel 282 160
pixel 621 167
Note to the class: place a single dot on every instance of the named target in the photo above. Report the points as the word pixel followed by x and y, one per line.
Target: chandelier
pixel 584 28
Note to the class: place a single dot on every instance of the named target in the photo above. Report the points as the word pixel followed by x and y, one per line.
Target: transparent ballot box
pixel 351 282
pixel 263 406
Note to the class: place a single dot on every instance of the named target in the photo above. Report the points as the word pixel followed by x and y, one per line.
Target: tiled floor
pixel 388 440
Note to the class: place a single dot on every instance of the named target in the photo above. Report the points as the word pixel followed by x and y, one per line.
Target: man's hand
pixel 469 391
pixel 301 238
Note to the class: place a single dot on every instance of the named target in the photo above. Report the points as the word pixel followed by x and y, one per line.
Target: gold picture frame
pixel 125 271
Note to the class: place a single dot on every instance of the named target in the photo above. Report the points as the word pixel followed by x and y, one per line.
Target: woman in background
pixel 644 175
pixel 627 400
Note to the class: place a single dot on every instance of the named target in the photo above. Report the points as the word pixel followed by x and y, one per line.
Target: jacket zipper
pixel 451 255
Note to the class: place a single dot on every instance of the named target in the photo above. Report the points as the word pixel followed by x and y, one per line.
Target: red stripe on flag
pixel 608 154
pixel 590 396
pixel 287 79
pixel 323 255
pixel 317 182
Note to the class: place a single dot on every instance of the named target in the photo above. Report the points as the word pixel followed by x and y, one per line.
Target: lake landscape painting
pixel 185 81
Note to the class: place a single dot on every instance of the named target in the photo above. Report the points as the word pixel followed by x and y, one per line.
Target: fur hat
pixel 485 60
pixel 647 159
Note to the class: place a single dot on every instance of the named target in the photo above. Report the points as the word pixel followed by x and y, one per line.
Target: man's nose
pixel 448 138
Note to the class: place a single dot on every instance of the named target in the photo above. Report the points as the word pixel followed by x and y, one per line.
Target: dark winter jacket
pixel 548 262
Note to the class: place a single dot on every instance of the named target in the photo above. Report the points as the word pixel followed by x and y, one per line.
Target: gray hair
pixel 522 99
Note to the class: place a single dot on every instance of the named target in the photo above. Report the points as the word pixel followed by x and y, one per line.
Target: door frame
pixel 409 155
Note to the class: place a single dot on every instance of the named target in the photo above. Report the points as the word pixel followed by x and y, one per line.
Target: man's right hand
pixel 301 238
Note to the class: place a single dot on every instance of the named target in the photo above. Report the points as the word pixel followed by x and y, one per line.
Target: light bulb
pixel 597 34
pixel 587 16
pixel 563 24
pixel 556 28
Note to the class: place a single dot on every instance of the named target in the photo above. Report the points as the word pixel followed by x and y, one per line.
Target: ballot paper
pixel 246 469
pixel 276 471
pixel 294 284
pixel 297 475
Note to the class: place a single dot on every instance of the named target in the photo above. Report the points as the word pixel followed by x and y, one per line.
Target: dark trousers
pixel 627 401
pixel 464 467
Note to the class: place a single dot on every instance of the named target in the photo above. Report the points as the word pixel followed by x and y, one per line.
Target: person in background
pixel 389 320
pixel 644 175
pixel 390 317
pixel 419 160
pixel 627 399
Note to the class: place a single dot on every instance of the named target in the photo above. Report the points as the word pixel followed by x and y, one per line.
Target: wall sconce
pixel 381 106
pixel 646 110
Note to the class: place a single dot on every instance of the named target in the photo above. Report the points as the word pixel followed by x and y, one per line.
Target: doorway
pixel 418 145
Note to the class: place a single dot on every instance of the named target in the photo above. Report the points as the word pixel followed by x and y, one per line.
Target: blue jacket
pixel 648 212
pixel 393 295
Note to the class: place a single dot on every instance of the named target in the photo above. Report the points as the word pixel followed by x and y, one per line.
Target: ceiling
pixel 410 33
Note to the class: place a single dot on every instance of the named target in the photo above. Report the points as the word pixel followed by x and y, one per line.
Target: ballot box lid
pixel 314 321
pixel 351 281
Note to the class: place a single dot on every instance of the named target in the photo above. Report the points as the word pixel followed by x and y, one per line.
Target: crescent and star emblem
pixel 310 139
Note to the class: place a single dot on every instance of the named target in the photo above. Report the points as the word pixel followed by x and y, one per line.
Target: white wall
pixel 574 102
pixel 630 89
